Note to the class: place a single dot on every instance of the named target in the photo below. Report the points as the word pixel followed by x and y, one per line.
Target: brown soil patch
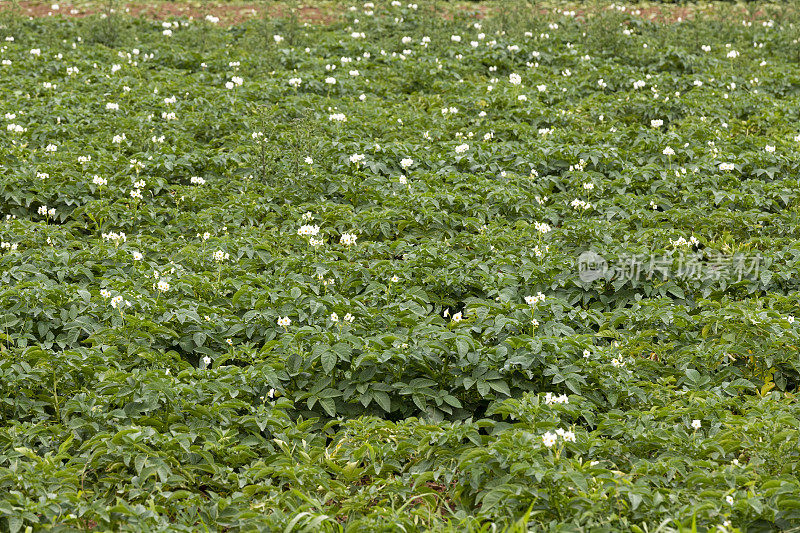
pixel 321 12
pixel 228 13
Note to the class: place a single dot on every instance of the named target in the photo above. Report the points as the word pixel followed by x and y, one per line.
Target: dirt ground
pixel 319 12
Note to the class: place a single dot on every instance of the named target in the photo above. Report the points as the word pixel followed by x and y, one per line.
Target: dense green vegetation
pixel 323 278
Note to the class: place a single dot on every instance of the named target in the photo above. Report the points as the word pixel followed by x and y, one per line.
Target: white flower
pixel 162 285
pixel 116 301
pixel 51 148
pixel 656 123
pixel 308 231
pixel 356 158
pixel 330 80
pixel 117 139
pixel 197 180
pixel 167 33
pixel 461 148
pixel 284 321
pixel 206 361
pixel 541 227
pixel 770 149
pixel 790 319
pixel 334 317
pixel 733 54
pixel 337 117
pixel 348 239
pixel 220 256
pixel 406 162
pixel 726 166
pixel 137 256
pixel 668 151
pixel 104 293
pixel 568 436
pixel 277 38
pixel 729 499
pixel 696 424
pixel 457 317
pixel 549 439
pixel 514 79
pixel 110 106
pixel 295 82
pixel 394 279
pixel 349 318
pixel 308 160
pixel 455 38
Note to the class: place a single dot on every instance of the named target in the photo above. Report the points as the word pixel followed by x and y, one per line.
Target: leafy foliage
pixel 235 294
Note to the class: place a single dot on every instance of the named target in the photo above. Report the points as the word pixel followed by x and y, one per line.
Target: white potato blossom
pixel 284 321
pixel 726 166
pixel 533 300
pixel 668 151
pixel 770 149
pixel 162 285
pixel 97 180
pixel 656 123
pixel 197 180
pixel 461 148
pixel 550 399
pixel 549 439
pixel 356 158
pixel 568 436
pixel 514 79
pixel 308 231
pixel 220 256
pixel 406 163
pixel 696 424
pixel 337 117
pixel 348 239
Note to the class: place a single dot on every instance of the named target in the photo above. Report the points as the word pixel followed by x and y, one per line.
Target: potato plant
pixel 421 266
